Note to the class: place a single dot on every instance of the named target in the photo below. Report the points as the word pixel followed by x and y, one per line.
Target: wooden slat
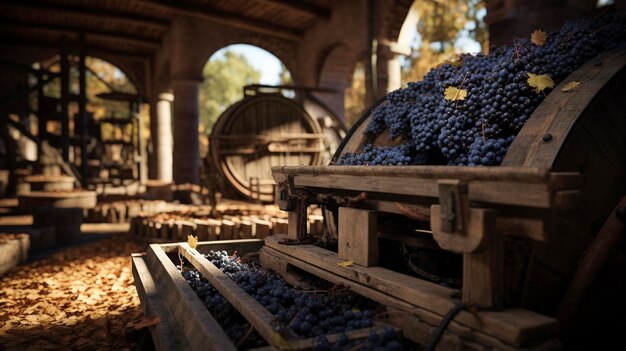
pixel 358 236
pixel 166 335
pixel 426 320
pixel 429 296
pixel 260 318
pixel 526 174
pixel 185 306
pixel 523 187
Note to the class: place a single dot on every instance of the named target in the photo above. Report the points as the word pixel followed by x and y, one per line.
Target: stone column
pixel 186 162
pixel 389 76
pixel 162 137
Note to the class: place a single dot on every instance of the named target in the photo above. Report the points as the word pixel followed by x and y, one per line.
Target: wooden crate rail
pixel 463 203
pixel 525 198
pixel 187 323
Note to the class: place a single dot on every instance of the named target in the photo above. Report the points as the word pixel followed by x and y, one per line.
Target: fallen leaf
pixel 192 241
pixel 454 94
pixel 345 263
pixel 571 86
pixel 146 322
pixel 540 82
pixel 538 37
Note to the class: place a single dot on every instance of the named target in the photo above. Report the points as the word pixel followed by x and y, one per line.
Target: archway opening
pixel 112 106
pixel 226 73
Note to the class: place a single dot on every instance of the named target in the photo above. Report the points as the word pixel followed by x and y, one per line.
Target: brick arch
pixel 335 72
pixel 281 49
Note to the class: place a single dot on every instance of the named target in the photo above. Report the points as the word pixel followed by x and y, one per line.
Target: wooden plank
pixel 186 308
pixel 431 297
pixel 389 185
pixel 483 268
pixel 543 327
pixel 247 230
pixel 227 230
pixel 516 174
pixel 535 193
pixel 260 318
pixel 166 335
pixel 263 228
pixel 358 236
pixel 511 193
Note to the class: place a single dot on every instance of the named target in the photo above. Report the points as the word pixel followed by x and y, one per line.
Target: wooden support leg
pixel 292 225
pixel 358 236
pixel 483 268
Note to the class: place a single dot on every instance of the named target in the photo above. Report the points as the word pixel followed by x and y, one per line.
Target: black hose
pixel 443 325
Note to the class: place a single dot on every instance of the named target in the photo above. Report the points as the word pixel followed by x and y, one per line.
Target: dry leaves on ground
pixel 79 299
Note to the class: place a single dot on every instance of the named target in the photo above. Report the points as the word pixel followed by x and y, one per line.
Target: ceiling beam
pixel 91 50
pixel 91 13
pixel 226 18
pixel 304 8
pixel 96 33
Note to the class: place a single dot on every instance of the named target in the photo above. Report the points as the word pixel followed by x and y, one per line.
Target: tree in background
pixel 441 24
pixel 224 79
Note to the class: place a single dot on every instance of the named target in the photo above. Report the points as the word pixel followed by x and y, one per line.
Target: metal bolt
pixel 547 138
pixel 620 213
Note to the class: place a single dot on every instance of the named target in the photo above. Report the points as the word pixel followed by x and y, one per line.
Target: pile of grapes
pixel 467 112
pixel 325 309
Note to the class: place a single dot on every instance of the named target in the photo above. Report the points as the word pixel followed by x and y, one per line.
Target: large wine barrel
pixel 257 133
pixel 584 131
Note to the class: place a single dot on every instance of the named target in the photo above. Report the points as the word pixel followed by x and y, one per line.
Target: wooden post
pixel 483 268
pixel 82 113
pixel 358 236
pixel 292 225
pixel 65 100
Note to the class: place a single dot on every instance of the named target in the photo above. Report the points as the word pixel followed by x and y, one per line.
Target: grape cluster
pixel 373 155
pixel 479 128
pixel 325 309
pixel 384 340
pixel 234 324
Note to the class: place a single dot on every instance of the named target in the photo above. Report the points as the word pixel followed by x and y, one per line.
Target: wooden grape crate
pixel 185 321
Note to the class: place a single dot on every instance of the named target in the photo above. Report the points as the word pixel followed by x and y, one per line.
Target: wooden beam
pixel 299 7
pixel 92 50
pixel 96 33
pixel 88 13
pixel 230 19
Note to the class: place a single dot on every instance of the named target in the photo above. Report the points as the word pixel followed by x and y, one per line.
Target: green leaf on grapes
pixel 538 37
pixel 571 86
pixel 454 94
pixel 192 241
pixel 540 82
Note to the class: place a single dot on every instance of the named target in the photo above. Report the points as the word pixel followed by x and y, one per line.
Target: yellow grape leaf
pixel 192 241
pixel 570 86
pixel 538 37
pixel 345 263
pixel 454 60
pixel 540 82
pixel 280 342
pixel 454 94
